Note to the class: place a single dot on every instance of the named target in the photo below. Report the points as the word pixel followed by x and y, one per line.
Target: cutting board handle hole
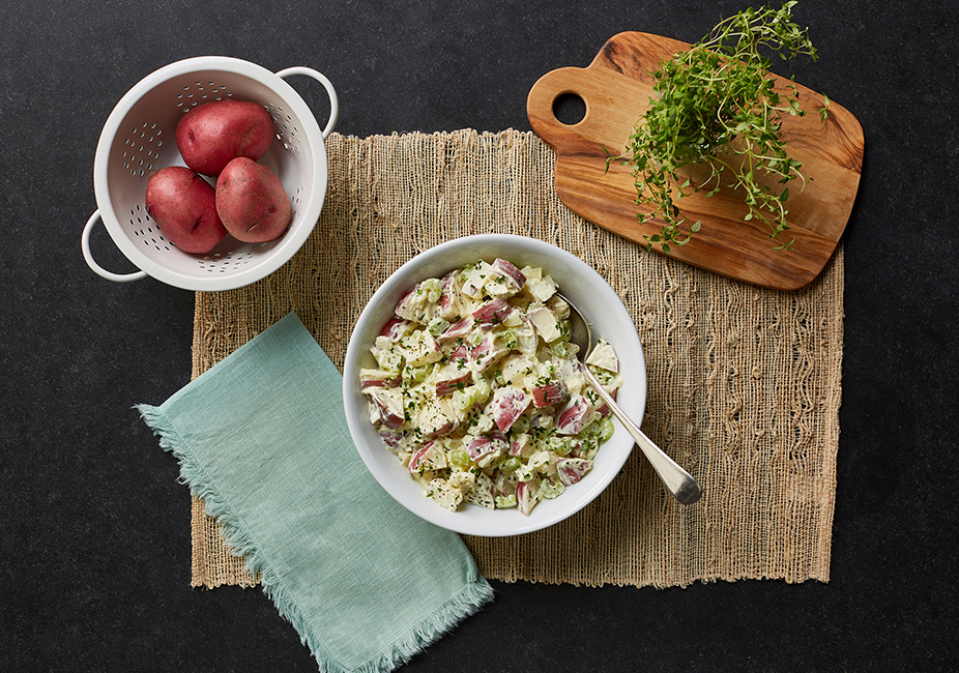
pixel 569 108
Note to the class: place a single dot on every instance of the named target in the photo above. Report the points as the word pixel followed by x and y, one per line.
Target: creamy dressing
pixel 478 391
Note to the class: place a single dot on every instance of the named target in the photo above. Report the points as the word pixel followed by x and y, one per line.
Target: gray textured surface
pixel 95 530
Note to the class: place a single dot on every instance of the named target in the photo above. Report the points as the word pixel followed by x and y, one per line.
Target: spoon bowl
pixel 677 480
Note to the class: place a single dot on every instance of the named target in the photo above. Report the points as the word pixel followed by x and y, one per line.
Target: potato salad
pixel 479 393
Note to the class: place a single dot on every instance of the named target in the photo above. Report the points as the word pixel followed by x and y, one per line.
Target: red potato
pixel 251 202
pixel 509 403
pixel 211 135
pixel 184 207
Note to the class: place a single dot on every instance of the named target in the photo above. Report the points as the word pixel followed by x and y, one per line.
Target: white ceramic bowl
pixel 585 288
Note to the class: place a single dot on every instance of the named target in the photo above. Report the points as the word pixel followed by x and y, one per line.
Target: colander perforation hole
pixel 221 263
pixel 297 195
pixel 142 144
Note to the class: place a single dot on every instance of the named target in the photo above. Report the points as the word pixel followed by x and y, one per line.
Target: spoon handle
pixel 677 480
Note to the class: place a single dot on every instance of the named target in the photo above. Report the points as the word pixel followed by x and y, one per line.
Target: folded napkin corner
pixel 263 439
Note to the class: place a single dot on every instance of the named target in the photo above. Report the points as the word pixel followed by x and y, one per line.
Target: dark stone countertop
pixel 94 535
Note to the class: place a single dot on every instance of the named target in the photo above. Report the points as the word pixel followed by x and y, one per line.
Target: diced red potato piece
pixel 389 402
pixel 374 411
pixel 484 445
pixel 559 307
pixel 447 303
pixel 392 439
pixel 485 354
pixel 540 287
pixel 482 492
pixel 460 356
pixel 414 306
pixel 378 378
pixel 420 349
pixel 527 495
pixel 475 280
pixel 502 266
pixel 456 374
pixel 519 444
pixel 430 456
pixel 545 323
pixel 504 279
pixel 492 312
pixel 570 418
pixel 549 394
pixel 603 409
pixel 438 426
pixel 507 405
pixel 516 367
pixel 451 378
pixel 395 328
pixel 458 330
pixel 444 494
pixel 604 356
pixel 571 470
pixel 404 309
pixel 567 367
pixel 437 418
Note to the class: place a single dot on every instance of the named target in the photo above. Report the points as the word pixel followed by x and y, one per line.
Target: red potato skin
pixel 183 205
pixel 212 135
pixel 251 202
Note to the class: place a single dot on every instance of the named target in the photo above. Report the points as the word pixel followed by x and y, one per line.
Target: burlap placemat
pixel 744 383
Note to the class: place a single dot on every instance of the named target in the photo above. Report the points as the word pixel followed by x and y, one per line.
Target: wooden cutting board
pixel 616 88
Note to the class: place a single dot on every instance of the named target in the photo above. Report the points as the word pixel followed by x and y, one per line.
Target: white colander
pixel 139 138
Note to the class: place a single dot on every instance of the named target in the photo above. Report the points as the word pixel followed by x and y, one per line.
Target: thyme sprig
pixel 716 106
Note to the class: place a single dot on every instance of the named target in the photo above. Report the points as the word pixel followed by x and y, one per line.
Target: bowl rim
pixel 292 240
pixel 400 281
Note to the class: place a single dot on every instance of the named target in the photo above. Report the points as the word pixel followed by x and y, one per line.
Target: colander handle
pixel 321 78
pixel 99 270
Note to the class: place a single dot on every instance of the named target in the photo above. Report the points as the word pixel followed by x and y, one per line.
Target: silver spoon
pixel 677 480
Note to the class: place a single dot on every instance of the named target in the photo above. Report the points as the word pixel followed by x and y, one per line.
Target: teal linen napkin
pixel 262 437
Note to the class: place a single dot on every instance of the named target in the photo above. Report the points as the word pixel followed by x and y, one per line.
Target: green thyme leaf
pixel 716 107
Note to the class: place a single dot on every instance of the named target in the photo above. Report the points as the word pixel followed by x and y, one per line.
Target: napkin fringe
pixel 464 603
pixel 238 542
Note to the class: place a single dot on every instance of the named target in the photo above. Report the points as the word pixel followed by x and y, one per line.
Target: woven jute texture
pixel 743 383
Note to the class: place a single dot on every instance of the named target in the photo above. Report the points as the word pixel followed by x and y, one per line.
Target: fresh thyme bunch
pixel 716 107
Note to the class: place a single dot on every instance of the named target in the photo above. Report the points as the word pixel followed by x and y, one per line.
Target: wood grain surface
pixel 616 88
